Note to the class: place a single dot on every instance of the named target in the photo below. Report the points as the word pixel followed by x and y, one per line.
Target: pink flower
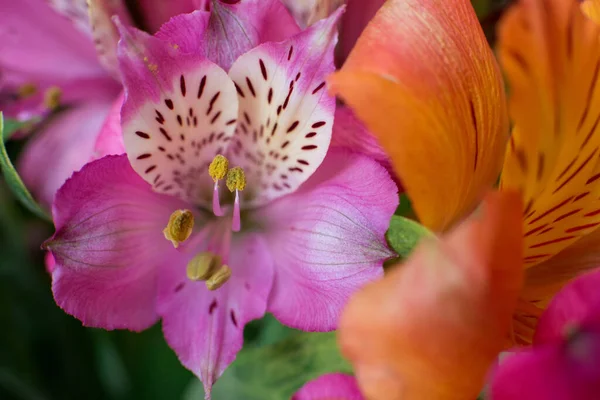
pixel 333 386
pixel 53 58
pixel 564 361
pixel 302 229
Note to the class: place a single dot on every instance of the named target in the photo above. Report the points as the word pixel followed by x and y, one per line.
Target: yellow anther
pixel 218 167
pixel 201 267
pixel 52 97
pixel 219 278
pixel 26 90
pixel 181 224
pixel 236 179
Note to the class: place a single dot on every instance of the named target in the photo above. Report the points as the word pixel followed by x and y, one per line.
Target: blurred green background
pixel 47 355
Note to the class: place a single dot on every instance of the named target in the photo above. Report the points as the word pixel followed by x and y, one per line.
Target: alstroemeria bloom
pixel 152 234
pixel 564 361
pixel 58 57
pixel 431 328
pixel 446 104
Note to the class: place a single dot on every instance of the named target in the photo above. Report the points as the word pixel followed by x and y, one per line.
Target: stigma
pixel 207 267
pixel 180 227
pixel 235 180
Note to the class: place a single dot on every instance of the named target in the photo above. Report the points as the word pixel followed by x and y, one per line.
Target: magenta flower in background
pixel 334 386
pixel 150 235
pixel 53 58
pixel 564 361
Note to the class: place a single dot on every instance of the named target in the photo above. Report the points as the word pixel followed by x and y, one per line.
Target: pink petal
pixel 108 245
pixel 110 138
pixel 231 30
pixel 205 328
pixel 64 145
pixel 558 371
pixel 351 134
pixel 330 387
pixel 359 13
pixel 179 112
pixel 157 12
pixel 285 114
pixel 328 239
pixel 573 305
pixel 105 32
pixel 39 45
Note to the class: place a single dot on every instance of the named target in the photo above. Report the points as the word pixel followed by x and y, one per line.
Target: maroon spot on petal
pixel 212 102
pixel 292 126
pixel 169 103
pixel 290 53
pixel 311 134
pixel 535 257
pixel 233 319
pixel 167 188
pixel 567 215
pixel 593 213
pixel 195 121
pixel 562 204
pixel 284 158
pixel 297 77
pixel 581 196
pixel 295 169
pixel 321 85
pixel 182 85
pixel 220 135
pixel 170 157
pixel 263 69
pixel 274 129
pixel 303 162
pixel 215 118
pixel 212 307
pixel 144 156
pixel 150 169
pixel 309 147
pixel 211 137
pixel 247 118
pixel 201 86
pixel 283 176
pixel 284 145
pixel 542 244
pixel 231 121
pixel 179 287
pixel 159 117
pixel 143 135
pixel 582 227
pixel 270 96
pixel 239 89
pixel 534 230
pixel 161 148
pixel 279 110
pixel 179 120
pixel 593 179
pixel 318 124
pixel 165 134
pixel 156 178
pixel 249 83
pixel 587 160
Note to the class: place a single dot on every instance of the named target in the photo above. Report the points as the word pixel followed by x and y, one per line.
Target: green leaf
pixel 14 181
pixel 277 371
pixel 404 234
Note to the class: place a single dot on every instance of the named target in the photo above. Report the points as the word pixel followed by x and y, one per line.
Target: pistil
pixel 236 181
pixel 217 170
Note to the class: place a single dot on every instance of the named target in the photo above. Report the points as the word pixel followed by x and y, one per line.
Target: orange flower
pixel 425 81
pixel 431 328
pixel 421 66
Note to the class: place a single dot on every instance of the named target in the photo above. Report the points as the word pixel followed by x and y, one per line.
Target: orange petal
pixel 591 8
pixel 432 327
pixel 424 80
pixel 551 55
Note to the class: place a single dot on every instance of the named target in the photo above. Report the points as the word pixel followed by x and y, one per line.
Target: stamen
pixel 218 170
pixel 236 180
pixel 202 266
pixel 180 226
pixel 27 90
pixel 219 278
pixel 52 97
